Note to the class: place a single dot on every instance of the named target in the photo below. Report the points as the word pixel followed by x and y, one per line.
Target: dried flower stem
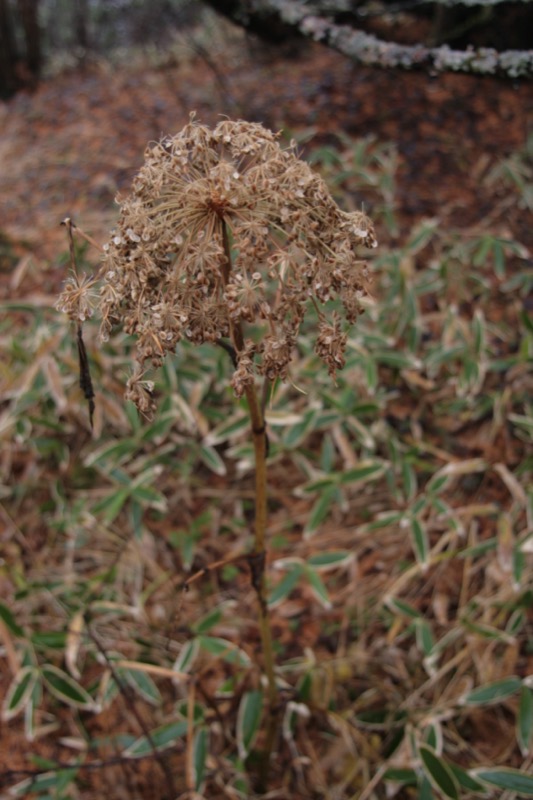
pixel 257 560
pixel 259 551
pixel 257 563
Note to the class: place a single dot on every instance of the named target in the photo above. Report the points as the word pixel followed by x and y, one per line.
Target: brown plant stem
pixel 257 562
pixel 257 559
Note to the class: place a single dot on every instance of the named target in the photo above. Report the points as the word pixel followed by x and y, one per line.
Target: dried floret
pixel 78 298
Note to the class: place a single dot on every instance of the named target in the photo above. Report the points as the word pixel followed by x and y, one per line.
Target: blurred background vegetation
pixel 36 35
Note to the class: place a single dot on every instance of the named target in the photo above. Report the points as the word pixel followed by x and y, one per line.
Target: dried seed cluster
pixel 223 227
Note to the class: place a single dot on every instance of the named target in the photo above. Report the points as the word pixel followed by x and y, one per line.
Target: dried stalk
pixel 257 560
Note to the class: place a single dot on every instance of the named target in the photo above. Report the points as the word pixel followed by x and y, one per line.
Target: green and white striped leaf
pixel 208 621
pixel 318 587
pixel 512 780
pixel 282 417
pixel 286 585
pixel 401 607
pixel 425 789
pixel 107 690
pixel 111 505
pixel 424 636
pixel 439 773
pixel 212 459
pixel 161 738
pixel 200 751
pixel 115 452
pixel 6 615
pixel 320 509
pixel 46 785
pixel 19 692
pixel 66 688
pixel 224 649
pixel 228 429
pixel 187 656
pixel 293 435
pixel 420 542
pixel 466 781
pixel 142 684
pixel 524 723
pixel 493 692
pixel 332 560
pixel 248 720
pixel 370 469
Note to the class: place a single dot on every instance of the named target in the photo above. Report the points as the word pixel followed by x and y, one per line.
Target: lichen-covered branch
pixel 322 7
pixel 306 19
pixel 370 50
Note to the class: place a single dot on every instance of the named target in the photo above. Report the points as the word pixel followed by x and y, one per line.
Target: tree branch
pixel 305 19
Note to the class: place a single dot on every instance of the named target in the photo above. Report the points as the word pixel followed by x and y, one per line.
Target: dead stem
pixel 258 558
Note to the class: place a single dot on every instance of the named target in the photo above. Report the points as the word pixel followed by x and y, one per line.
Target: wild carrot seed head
pixel 222 228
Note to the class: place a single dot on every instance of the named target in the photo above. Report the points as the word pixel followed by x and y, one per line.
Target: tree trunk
pixel 81 29
pixel 8 53
pixel 28 12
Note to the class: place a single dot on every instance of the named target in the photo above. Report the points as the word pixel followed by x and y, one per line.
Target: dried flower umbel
pixel 223 227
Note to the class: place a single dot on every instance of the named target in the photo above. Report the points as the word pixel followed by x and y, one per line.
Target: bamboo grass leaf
pixel 143 685
pixel 285 586
pixel 420 541
pixel 318 587
pixel 248 720
pixel 225 649
pixel 200 752
pixel 66 688
pixel 19 692
pixel 512 780
pixel 524 722
pixel 7 616
pixel 161 738
pixel 494 692
pixel 439 773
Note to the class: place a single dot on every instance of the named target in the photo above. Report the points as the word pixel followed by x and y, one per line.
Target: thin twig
pixel 220 78
pixel 129 697
pixel 71 226
pixel 189 758
pixel 9 775
pixel 67 222
pixel 223 562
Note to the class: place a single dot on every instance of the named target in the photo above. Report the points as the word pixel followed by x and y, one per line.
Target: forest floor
pixel 68 148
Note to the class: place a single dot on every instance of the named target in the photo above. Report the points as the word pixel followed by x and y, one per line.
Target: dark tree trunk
pixel 28 12
pixel 8 52
pixel 81 29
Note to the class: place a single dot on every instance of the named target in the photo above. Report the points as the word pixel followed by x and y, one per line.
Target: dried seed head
pixel 78 298
pixel 140 392
pixel 222 228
